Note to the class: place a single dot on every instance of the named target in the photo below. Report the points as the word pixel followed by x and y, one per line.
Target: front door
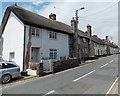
pixel 34 54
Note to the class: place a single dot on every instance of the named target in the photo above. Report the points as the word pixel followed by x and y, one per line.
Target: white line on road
pixel 111 61
pixel 83 76
pixel 49 92
pixel 112 86
pixel 104 65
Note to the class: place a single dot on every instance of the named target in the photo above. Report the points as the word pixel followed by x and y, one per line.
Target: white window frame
pixel 79 40
pixel 36 32
pixel 52 35
pixel 86 51
pixel 11 56
pixel 53 54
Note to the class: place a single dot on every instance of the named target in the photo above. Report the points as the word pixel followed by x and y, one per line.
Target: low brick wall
pixel 61 65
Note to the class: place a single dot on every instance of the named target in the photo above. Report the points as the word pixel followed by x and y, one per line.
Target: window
pixel 83 50
pixel 35 32
pixel 78 40
pixel 11 56
pixel 95 45
pixel 84 40
pixel 53 54
pixel 7 65
pixel 86 51
pixel 53 35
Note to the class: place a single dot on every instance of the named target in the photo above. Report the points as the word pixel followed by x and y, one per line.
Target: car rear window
pixel 0 66
pixel 8 65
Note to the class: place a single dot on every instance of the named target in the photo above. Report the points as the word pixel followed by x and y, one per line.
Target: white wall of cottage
pixel 44 43
pixel 1 46
pixel 114 50
pixel 13 40
pixel 101 48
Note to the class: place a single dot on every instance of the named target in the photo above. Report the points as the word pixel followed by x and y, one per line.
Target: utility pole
pixel 76 36
pixel 76 33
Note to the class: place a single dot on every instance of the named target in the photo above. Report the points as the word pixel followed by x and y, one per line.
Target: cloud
pixel 103 22
pixel 37 2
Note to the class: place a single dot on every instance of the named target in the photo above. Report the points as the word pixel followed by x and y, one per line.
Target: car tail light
pixel 18 70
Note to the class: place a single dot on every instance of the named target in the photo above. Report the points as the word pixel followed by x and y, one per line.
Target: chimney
pixel 94 35
pixel 106 37
pixel 52 16
pixel 85 32
pixel 89 33
pixel 73 24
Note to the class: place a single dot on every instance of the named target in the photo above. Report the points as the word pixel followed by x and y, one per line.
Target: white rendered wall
pixel 1 46
pixel 45 44
pixel 13 39
pixel 100 47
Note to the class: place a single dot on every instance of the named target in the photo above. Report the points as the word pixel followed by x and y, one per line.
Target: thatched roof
pixel 36 20
pixel 33 19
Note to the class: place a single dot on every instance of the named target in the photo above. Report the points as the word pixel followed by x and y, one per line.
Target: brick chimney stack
pixel 52 16
pixel 89 33
pixel 106 37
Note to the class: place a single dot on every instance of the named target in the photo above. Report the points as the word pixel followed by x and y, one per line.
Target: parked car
pixel 8 71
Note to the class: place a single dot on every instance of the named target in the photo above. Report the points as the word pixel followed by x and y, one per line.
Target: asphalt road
pixel 93 78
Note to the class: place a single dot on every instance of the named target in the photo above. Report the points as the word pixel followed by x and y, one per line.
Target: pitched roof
pixel 83 34
pixel 33 19
pixel 98 40
pixel 113 45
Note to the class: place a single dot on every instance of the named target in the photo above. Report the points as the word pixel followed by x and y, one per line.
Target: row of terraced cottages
pixel 29 37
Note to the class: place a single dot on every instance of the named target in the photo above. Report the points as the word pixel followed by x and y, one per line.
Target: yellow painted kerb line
pixel 112 86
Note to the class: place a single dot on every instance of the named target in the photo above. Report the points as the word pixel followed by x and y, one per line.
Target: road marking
pixel 104 65
pixel 49 92
pixel 111 61
pixel 112 86
pixel 83 76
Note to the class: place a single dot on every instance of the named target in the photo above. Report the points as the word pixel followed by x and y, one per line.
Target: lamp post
pixel 76 33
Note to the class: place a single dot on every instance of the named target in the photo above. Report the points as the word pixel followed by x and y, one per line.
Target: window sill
pixel 36 36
